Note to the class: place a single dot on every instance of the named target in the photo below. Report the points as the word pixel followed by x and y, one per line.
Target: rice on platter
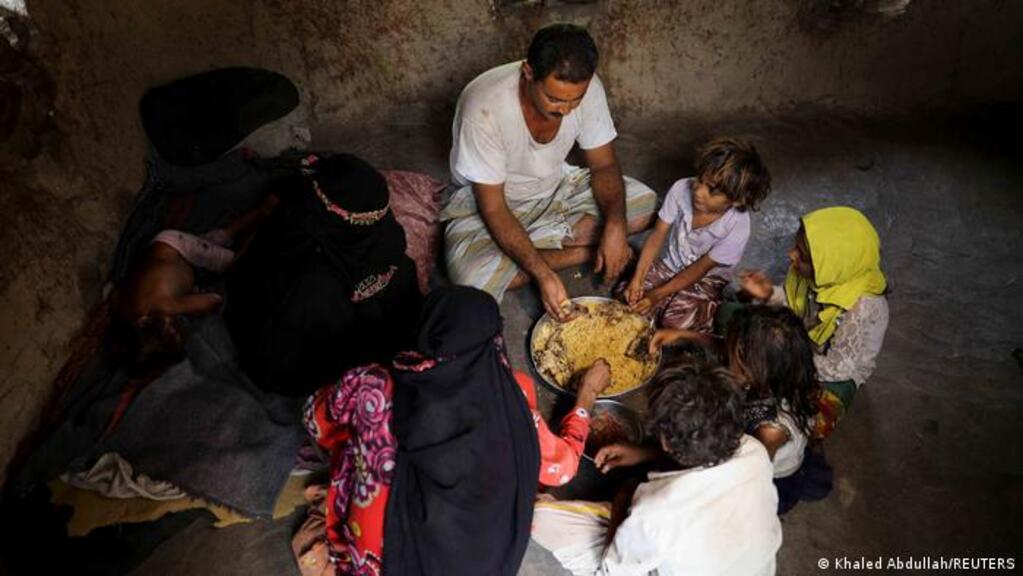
pixel 563 351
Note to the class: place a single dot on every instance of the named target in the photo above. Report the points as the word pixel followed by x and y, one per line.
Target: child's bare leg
pixel 586 232
pixel 557 260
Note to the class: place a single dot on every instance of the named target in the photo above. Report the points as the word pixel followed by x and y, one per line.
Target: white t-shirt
pixel 723 239
pixel 492 144
pixel 717 521
pixel 789 456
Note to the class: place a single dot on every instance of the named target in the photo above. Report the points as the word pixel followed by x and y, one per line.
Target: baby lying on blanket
pixel 161 288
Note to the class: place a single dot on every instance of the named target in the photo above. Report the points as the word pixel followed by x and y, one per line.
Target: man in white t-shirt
pixel 521 213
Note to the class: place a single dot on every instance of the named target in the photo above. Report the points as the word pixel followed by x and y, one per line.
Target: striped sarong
pixel 474 259
pixel 575 531
pixel 693 307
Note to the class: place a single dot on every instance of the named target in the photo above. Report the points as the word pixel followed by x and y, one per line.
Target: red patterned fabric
pixel 351 420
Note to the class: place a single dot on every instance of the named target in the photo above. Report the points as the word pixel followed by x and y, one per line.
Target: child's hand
pixel 756 284
pixel 596 379
pixel 666 337
pixel 634 291
pixel 644 305
pixel 622 454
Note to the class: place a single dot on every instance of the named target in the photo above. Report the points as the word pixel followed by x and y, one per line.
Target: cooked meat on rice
pixel 562 352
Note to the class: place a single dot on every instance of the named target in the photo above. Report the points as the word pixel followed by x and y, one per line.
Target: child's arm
pixel 668 336
pixel 200 304
pixel 684 279
pixel 651 248
pixel 856 344
pixel 622 454
pixel 560 453
pixel 773 437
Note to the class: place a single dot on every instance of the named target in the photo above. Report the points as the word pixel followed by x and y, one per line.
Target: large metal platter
pixel 546 319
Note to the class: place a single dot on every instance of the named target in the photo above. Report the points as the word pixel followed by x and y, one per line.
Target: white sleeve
pixel 856 343
pixel 728 250
pixel 671 210
pixel 596 127
pixel 635 550
pixel 481 157
pixel 778 297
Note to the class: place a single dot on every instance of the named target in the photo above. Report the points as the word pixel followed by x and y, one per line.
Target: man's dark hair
pixel 565 50
pixel 734 167
pixel 696 411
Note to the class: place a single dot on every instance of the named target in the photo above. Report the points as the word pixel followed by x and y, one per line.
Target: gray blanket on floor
pixel 202 425
pixel 205 427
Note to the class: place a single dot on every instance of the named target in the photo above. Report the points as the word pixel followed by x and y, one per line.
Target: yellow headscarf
pixel 846 256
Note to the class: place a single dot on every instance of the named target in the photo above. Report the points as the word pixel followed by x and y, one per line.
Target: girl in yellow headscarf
pixel 836 285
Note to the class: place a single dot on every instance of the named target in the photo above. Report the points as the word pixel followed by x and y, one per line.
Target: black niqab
pixel 301 304
pixel 462 498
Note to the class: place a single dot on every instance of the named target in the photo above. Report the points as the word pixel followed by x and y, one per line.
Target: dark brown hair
pixel 696 412
pixel 770 347
pixel 733 167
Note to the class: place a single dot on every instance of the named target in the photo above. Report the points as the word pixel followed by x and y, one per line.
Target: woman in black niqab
pixel 461 501
pixel 326 284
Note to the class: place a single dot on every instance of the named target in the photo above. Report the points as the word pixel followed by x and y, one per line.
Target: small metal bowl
pixel 632 428
pixel 549 383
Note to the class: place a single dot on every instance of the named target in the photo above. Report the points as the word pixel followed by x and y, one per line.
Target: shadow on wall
pixel 26 90
pixel 825 16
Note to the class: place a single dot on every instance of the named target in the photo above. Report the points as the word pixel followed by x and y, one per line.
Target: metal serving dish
pixel 549 383
pixel 631 426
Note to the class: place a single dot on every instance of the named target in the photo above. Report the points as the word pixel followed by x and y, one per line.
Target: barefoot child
pixel 714 512
pixel 705 222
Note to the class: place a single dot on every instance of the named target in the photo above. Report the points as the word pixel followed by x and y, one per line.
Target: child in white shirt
pixel 705 223
pixel 714 515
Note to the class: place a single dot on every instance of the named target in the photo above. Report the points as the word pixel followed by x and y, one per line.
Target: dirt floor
pixel 928 462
